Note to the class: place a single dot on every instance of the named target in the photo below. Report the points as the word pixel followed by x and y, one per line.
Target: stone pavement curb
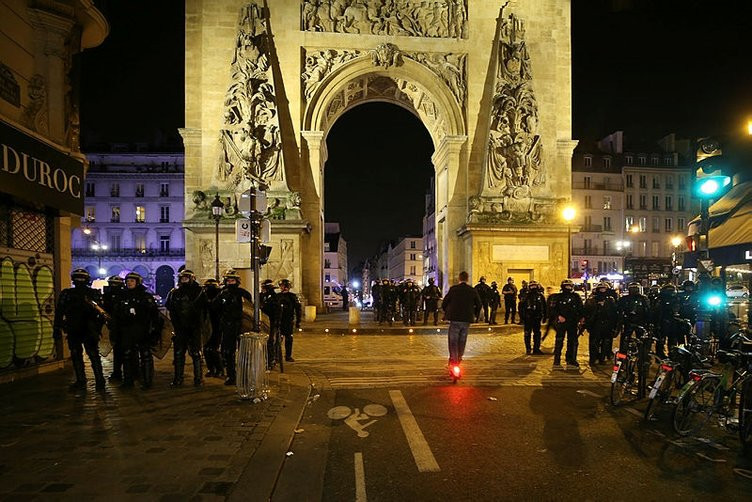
pixel 258 479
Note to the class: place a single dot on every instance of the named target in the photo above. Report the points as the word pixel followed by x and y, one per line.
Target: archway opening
pixel 376 177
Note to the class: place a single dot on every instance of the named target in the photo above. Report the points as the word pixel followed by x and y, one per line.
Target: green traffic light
pixel 710 187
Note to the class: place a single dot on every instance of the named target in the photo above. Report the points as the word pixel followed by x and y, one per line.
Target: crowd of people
pixel 206 324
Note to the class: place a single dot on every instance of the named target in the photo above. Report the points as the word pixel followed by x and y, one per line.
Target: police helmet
pixel 135 276
pixel 80 275
pixel 231 274
pixel 285 283
pixel 115 280
pixel 430 280
pixel 603 285
pixel 533 285
pixel 688 284
pixel 385 281
pixel 211 282
pixel 668 288
pixel 634 288
pixel 187 273
pixel 567 284
pixel 268 283
pixel 482 278
pixel 493 283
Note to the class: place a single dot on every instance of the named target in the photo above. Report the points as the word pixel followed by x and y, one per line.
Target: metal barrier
pixel 252 377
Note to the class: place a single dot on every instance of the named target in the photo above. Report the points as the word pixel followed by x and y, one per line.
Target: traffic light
pixel 263 253
pixel 712 178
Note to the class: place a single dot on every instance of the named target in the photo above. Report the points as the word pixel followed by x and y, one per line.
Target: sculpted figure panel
pixel 416 18
pixel 250 140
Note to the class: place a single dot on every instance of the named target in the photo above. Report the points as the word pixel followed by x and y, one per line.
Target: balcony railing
pixel 595 252
pixel 127 252
pixel 617 187
pixel 592 228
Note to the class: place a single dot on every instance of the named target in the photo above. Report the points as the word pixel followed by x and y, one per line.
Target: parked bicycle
pixel 631 367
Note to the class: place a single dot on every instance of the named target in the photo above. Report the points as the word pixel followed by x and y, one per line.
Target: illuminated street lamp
pixel 99 249
pixel 675 243
pixel 569 213
pixel 217 207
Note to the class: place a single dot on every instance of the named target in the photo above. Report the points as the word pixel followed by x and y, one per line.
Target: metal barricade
pixel 252 377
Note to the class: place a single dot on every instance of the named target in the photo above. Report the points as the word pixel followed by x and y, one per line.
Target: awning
pixel 738 195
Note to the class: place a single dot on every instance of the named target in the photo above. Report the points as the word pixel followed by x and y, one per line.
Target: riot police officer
pixel 483 292
pixel 411 300
pixel 79 314
pixel 138 317
pixel 689 302
pixel 268 300
pixel 632 311
pixel 509 292
pixel 600 321
pixel 289 314
pixel 521 298
pixel 567 313
pixel 431 295
pixel 665 310
pixel 385 302
pixel 111 296
pixel 532 312
pixel 229 305
pixel 212 355
pixel 187 307
pixel 494 301
pixel 376 299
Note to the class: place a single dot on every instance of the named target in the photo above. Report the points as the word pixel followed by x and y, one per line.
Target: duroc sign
pixel 35 171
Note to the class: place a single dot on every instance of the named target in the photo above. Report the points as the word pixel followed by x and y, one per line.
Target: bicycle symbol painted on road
pixel 354 418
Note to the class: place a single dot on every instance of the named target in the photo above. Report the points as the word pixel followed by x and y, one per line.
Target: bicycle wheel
pixel 625 380
pixel 696 405
pixel 745 413
pixel 663 394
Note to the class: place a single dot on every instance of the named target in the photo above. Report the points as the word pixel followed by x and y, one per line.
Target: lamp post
pixel 98 249
pixel 675 243
pixel 569 214
pixel 217 206
pixel 623 246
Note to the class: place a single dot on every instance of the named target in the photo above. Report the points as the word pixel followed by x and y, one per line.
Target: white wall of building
pixel 406 260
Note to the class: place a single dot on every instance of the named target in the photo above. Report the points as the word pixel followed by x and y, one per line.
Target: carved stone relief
pixel 416 18
pixel 35 113
pixel 206 257
pixel 282 264
pixel 319 64
pixel 250 139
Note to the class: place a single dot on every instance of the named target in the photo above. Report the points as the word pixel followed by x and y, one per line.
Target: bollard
pixel 354 315
pixel 252 377
pixel 310 313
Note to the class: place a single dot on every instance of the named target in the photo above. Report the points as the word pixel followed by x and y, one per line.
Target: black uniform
pixel 632 310
pixel 411 300
pixel 140 325
pixel 345 299
pixel 533 310
pixel 82 324
pixel 665 310
pixel 187 307
pixel 229 305
pixel 214 365
pixel 386 303
pixel 289 315
pixel 509 292
pixel 268 299
pixel 483 290
pixel 600 321
pixel 494 301
pixel 376 299
pixel 689 304
pixel 568 305
pixel 431 296
pixel 110 298
pixel 521 298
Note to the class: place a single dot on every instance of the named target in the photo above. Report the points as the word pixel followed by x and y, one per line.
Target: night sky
pixel 647 67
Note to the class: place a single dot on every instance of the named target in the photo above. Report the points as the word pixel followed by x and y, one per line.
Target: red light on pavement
pixel 616 368
pixel 620 355
pixel 456 371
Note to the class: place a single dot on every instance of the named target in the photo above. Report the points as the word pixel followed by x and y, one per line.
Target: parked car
pixel 737 291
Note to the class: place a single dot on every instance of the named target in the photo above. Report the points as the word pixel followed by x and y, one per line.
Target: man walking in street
pixel 459 306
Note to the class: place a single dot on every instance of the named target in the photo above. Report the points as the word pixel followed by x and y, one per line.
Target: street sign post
pixel 243 230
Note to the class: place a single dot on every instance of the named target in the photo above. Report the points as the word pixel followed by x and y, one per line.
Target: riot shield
pixel 163 339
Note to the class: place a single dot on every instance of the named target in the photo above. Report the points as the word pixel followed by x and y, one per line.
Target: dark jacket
pixel 289 311
pixel 76 314
pixel 460 303
pixel 187 305
pixel 600 313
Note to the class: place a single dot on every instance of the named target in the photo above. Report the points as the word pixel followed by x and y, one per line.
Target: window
pixel 680 203
pixel 115 190
pixel 91 213
pixel 412 256
pixel 654 160
pixel 656 224
pixel 642 160
pixel 643 224
pixel 90 192
pixel 139 241
pixel 629 222
pixel 164 243
pixel 606 247
pixel 656 204
pixel 606 223
pixel 328 278
pixel 643 181
pixel 326 246
pixel 628 160
pixel 139 190
pixel 164 190
pixel 656 182
pixel 682 182
pixel 680 224
pixel 668 203
pixel 669 225
pixel 412 244
pixel 327 289
pixel 655 249
pixel 643 201
pixel 586 181
pixel 588 243
pixel 670 182
pixel 115 242
pixel 630 201
pixel 588 202
pixel 412 269
pixel 140 214
pixel 606 202
pixel 668 161
pixel 588 161
pixel 606 162
pixel 164 214
pixel 115 214
pixel 643 248
pixel 327 263
pixel 588 222
pixel 630 181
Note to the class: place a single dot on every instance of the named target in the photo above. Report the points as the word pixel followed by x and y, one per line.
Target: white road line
pixel 424 458
pixel 588 393
pixel 360 479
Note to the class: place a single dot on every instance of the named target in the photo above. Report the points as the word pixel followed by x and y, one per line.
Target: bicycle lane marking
pixel 424 459
pixel 360 479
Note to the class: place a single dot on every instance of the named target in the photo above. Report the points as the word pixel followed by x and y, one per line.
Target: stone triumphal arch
pixel 265 81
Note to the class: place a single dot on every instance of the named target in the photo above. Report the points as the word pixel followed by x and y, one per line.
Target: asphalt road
pixel 464 442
